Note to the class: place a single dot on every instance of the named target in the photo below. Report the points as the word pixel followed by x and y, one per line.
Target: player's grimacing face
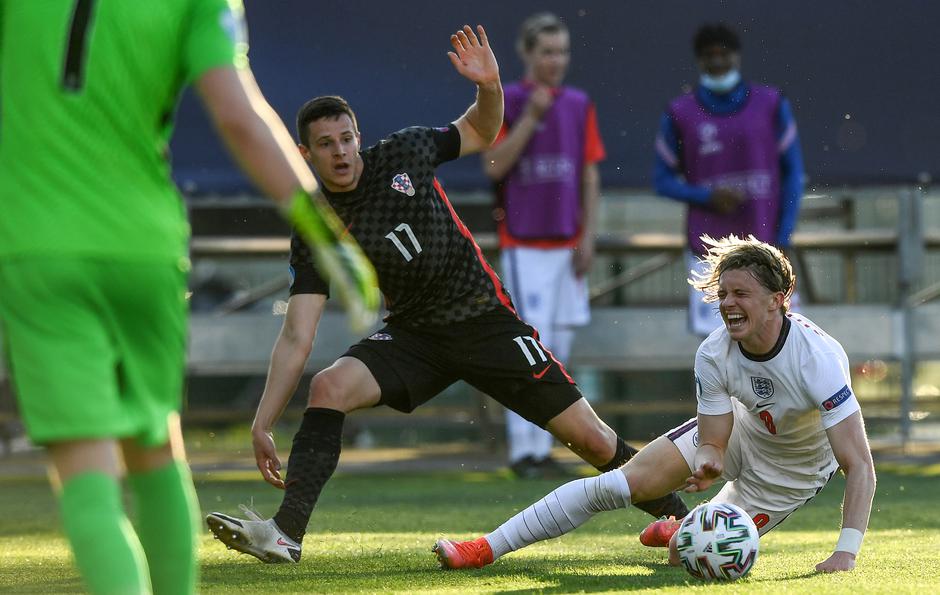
pixel 547 62
pixel 333 152
pixel 748 310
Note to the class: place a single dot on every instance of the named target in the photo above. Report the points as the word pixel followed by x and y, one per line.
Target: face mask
pixel 721 84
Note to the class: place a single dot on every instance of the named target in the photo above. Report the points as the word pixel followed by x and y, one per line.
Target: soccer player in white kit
pixel 776 418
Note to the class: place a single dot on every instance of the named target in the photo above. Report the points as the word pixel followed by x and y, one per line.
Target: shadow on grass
pixel 628 577
pixel 347 551
pixel 810 574
pixel 399 573
pixel 426 502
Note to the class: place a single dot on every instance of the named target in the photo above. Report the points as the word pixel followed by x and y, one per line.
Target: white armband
pixel 850 540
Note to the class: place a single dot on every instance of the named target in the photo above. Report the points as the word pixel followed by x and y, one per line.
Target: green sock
pixel 168 522
pixel 106 550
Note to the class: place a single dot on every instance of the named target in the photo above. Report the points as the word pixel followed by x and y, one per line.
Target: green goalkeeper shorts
pixel 95 348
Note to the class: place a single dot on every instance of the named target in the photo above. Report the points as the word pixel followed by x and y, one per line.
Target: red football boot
pixel 658 533
pixel 455 555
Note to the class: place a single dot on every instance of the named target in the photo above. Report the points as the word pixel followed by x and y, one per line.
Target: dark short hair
pixel 326 106
pixel 715 34
pixel 767 264
pixel 535 25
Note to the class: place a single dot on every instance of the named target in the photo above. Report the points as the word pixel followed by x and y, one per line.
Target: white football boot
pixel 256 536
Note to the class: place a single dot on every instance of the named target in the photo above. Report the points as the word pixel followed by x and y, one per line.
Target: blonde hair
pixel 535 25
pixel 767 264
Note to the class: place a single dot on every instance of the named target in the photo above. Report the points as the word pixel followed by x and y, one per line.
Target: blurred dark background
pixel 860 76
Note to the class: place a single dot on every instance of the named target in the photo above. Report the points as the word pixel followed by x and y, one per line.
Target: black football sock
pixel 312 461
pixel 668 505
pixel 623 454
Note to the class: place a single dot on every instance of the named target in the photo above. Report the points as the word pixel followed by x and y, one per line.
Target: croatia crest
pixel 402 183
pixel 763 387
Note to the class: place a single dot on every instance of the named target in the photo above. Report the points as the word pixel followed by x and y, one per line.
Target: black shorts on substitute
pixel 496 353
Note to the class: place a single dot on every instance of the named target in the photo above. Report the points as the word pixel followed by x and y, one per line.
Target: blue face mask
pixel 721 84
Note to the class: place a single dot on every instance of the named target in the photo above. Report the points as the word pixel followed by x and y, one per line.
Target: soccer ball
pixel 717 542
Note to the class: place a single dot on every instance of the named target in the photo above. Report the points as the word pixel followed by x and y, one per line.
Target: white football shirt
pixel 783 400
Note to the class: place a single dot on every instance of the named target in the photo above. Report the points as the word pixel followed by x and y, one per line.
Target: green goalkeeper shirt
pixel 88 90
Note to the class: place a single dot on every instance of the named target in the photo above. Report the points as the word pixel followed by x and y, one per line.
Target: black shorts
pixel 496 353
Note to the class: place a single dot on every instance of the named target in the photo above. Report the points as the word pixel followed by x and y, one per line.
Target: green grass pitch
pixel 374 533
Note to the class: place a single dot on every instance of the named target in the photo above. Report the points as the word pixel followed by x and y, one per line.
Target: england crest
pixel 402 183
pixel 763 387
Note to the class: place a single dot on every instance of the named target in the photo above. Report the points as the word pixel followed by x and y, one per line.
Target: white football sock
pixel 564 510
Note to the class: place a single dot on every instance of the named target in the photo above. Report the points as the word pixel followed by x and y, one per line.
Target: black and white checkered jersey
pixel 429 267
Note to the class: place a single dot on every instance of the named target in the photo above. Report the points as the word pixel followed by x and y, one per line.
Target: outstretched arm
pixel 288 360
pixel 254 133
pixel 474 60
pixel 850 446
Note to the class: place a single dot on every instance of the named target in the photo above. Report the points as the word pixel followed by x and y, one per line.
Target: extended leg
pixel 656 470
pixel 579 428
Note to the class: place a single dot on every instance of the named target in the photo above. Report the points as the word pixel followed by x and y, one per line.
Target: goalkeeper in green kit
pixel 93 256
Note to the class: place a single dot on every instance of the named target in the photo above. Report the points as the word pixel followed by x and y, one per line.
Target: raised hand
pixel 472 56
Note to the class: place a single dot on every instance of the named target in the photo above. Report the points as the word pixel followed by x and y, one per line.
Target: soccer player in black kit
pixel 449 316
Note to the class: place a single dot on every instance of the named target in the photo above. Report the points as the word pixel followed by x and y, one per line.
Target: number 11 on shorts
pixel 521 341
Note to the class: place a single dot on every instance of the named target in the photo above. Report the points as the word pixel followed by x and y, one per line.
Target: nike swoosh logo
pixel 542 373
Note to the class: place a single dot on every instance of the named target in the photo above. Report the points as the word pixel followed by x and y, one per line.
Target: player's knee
pixel 592 439
pixel 327 390
pixel 598 444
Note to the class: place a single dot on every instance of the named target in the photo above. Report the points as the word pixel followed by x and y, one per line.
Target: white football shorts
pixel 750 485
